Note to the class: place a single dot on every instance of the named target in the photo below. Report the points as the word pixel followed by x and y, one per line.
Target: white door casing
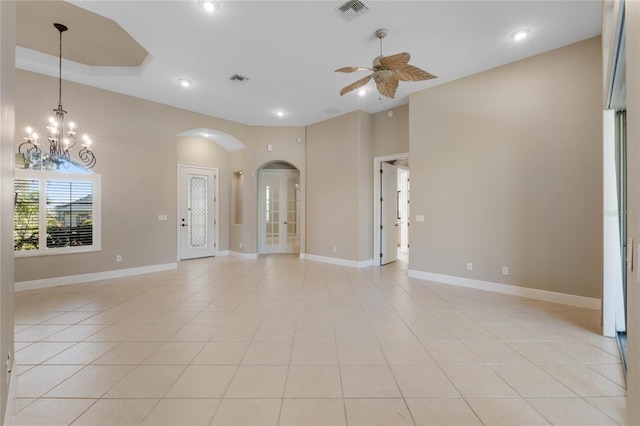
pixel 403 209
pixel 197 212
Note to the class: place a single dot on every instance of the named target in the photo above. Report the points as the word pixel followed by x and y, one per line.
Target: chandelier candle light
pixel 60 140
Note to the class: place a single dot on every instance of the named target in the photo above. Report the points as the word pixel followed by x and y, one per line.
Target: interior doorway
pixel 279 209
pixel 404 190
pixel 391 209
pixel 197 212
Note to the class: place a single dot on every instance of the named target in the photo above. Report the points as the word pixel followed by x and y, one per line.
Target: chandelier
pixel 61 140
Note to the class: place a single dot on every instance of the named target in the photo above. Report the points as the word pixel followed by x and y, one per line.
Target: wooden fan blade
pixel 395 62
pixel 411 73
pixel 388 87
pixel 355 85
pixel 352 69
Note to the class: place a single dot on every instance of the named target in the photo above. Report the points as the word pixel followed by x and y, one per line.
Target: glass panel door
pixel 292 223
pixel 621 171
pixel 197 213
pixel 279 225
pixel 272 211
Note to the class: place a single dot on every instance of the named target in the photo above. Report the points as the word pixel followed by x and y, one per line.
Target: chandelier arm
pixel 86 156
pixel 30 147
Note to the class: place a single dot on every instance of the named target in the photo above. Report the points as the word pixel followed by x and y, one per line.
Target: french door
pixel 279 211
pixel 197 217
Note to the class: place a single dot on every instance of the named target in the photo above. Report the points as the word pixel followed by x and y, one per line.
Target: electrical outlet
pixel 335 249
pixel 505 270
pixel 240 245
pixel 119 258
pixel 469 266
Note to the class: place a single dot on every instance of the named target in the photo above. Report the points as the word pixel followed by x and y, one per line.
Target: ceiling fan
pixel 387 71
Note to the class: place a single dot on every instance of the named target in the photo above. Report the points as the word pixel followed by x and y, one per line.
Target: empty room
pixel 319 212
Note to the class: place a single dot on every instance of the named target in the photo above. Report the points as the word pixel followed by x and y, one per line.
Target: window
pixel 56 213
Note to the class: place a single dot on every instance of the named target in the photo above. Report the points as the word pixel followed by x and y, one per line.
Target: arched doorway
pixel 279 208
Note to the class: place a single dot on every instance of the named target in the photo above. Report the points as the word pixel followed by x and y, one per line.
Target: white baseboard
pixel 11 395
pixel 337 261
pixel 97 276
pixel 532 293
pixel 222 253
pixel 243 255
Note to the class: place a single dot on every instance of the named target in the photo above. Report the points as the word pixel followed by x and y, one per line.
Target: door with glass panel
pixel 279 211
pixel 196 221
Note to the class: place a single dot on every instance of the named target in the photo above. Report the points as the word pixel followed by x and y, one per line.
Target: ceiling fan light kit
pixel 387 71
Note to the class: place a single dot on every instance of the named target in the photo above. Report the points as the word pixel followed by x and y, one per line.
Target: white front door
pixel 388 213
pixel 279 211
pixel 197 218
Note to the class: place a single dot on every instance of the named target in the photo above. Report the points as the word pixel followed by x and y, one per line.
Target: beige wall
pixel 137 149
pixel 333 185
pixel 237 232
pixel 391 134
pixel 365 187
pixel 135 143
pixel 7 73
pixel 632 25
pixel 506 168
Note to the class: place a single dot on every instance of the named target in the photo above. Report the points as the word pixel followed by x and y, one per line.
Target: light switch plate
pixel 419 218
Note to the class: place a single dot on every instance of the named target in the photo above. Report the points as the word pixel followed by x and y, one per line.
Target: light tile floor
pixel 279 340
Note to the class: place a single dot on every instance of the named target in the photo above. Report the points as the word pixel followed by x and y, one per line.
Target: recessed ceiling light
pixel 362 92
pixel 280 113
pixel 520 34
pixel 209 6
pixel 184 82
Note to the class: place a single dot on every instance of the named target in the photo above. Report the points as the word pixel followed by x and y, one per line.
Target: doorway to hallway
pixel 391 209
pixel 279 211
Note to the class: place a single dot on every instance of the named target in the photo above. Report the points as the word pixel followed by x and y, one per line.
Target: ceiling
pixel 288 49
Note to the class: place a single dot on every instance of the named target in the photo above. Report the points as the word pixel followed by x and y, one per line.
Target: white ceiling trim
pixel 43 63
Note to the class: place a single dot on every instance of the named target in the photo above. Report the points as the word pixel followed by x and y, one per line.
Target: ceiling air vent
pixel 332 111
pixel 239 78
pixel 353 9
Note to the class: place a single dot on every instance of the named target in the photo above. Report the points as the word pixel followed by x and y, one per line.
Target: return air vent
pixel 239 78
pixel 332 111
pixel 352 9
